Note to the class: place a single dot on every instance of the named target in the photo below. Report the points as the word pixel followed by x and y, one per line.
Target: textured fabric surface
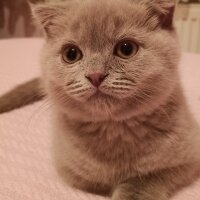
pixel 26 167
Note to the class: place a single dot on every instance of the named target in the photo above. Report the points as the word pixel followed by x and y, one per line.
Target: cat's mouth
pixel 99 95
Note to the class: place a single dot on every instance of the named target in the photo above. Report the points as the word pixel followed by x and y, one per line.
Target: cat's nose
pixel 96 79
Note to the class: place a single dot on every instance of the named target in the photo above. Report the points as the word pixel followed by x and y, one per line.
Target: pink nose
pixel 96 79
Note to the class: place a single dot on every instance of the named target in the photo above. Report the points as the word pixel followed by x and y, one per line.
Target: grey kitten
pixel 121 124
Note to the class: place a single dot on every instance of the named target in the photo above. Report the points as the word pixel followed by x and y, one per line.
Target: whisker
pixel 119 88
pixel 37 112
pixel 126 79
pixel 74 87
pixel 72 82
pixel 79 91
pixel 122 84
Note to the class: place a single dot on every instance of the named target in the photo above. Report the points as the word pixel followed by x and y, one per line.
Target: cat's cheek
pixel 119 93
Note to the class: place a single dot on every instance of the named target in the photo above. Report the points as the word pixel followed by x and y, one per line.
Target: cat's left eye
pixel 71 54
pixel 126 49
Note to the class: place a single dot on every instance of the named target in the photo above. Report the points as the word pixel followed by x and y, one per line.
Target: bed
pixel 26 166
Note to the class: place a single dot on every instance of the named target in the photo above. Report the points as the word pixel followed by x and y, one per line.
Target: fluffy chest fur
pixel 107 153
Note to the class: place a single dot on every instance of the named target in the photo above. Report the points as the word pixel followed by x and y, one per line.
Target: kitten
pixel 121 124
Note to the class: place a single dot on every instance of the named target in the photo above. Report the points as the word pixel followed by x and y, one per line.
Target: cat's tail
pixel 24 94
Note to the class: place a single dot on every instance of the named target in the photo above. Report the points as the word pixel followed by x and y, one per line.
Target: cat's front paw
pixel 132 192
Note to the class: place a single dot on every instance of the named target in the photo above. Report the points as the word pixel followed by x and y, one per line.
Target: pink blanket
pixel 26 168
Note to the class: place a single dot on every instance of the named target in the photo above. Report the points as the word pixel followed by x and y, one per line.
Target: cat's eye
pixel 126 49
pixel 71 54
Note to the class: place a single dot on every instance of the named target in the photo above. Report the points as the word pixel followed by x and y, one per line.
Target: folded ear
pixel 164 9
pixel 48 15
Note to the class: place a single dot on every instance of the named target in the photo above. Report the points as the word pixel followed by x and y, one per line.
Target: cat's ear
pixel 47 16
pixel 164 9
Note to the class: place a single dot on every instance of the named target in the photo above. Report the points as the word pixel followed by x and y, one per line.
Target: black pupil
pixel 126 48
pixel 72 54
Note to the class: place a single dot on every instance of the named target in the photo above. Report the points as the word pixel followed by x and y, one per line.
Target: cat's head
pixel 109 59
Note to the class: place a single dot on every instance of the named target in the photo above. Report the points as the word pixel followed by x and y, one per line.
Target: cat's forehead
pixel 93 22
pixel 99 22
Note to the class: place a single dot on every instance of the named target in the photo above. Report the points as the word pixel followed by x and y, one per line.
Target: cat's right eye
pixel 71 54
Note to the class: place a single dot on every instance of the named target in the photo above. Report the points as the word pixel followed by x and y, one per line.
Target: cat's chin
pixel 98 95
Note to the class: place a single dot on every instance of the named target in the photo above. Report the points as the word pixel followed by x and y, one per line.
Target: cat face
pixel 111 59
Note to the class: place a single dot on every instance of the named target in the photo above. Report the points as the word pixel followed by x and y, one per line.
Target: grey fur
pixel 137 140
pixel 22 95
